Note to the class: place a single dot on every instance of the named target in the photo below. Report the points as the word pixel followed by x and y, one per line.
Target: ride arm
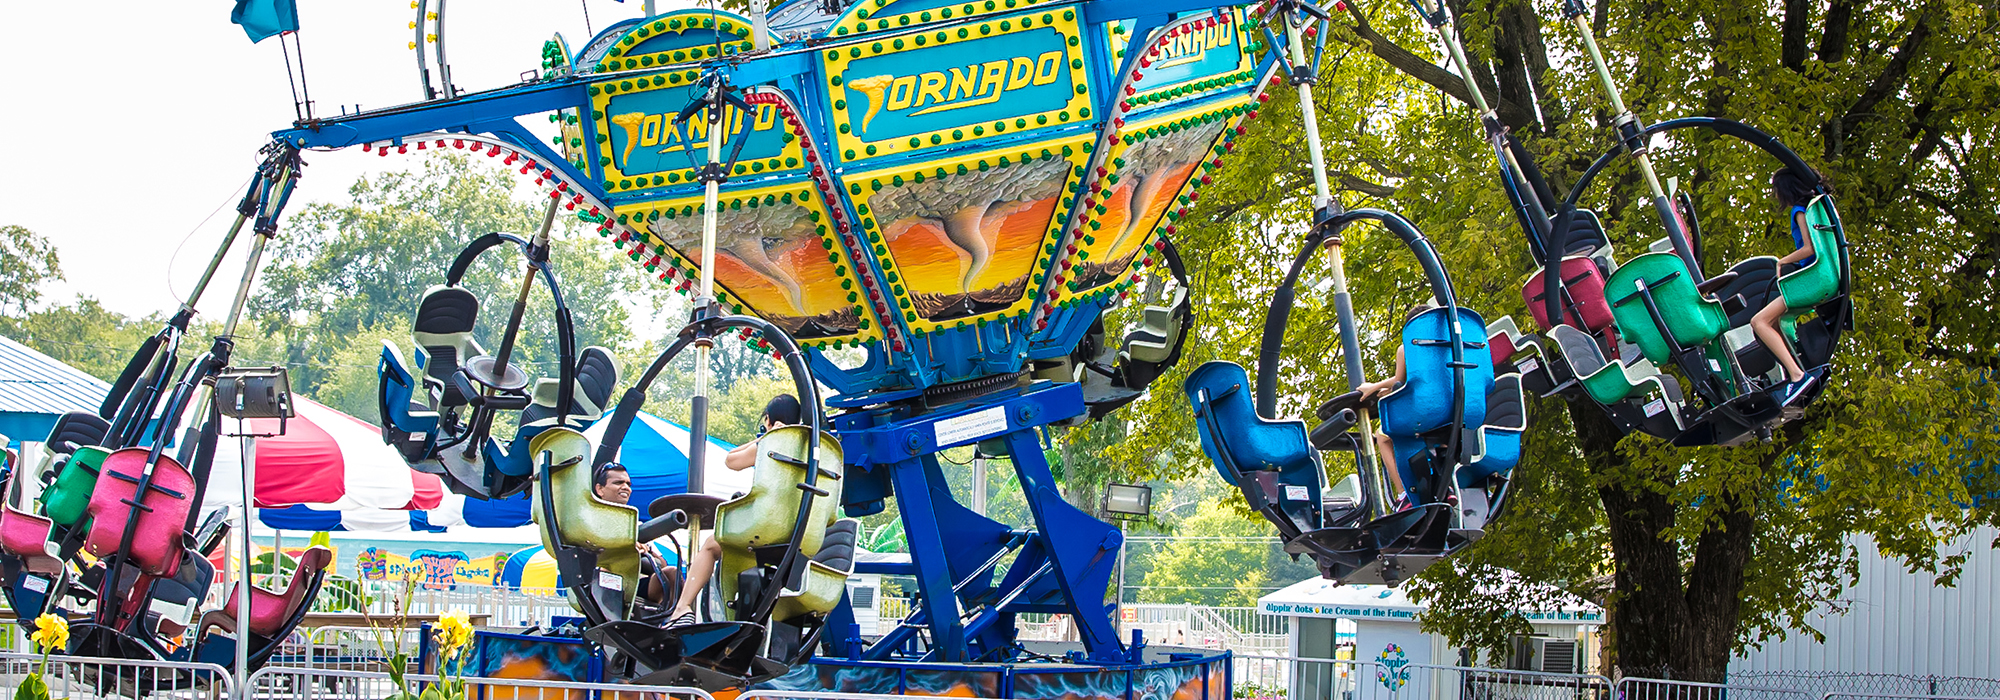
pixel 492 113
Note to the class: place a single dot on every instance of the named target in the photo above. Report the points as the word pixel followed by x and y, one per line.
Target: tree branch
pixel 1793 51
pixel 1833 41
pixel 1431 74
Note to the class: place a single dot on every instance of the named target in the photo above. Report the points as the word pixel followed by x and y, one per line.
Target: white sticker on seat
pixel 1655 406
pixel 611 581
pixel 1529 365
pixel 971 426
pixel 1296 493
pixel 36 583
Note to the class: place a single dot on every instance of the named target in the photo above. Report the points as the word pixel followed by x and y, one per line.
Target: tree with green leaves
pixel 31 262
pixel 1696 552
pixel 345 276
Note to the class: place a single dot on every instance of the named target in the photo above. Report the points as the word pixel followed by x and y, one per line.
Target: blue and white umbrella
pixel 654 453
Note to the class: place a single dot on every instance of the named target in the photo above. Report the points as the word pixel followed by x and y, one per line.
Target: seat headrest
pixel 315 558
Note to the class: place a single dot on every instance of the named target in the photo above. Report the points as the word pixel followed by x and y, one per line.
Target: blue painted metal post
pixel 1083 553
pixel 934 584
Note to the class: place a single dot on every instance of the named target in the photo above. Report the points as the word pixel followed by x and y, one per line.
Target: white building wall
pixel 1900 622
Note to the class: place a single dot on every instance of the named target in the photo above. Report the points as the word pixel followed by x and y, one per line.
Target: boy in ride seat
pixel 782 410
pixel 613 484
pixel 1385 449
pixel 1793 193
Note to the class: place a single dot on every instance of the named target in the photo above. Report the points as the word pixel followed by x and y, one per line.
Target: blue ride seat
pixel 1497 441
pixel 1417 415
pixel 1269 460
pixel 408 424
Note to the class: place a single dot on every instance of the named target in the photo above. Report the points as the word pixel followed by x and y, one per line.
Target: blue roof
pixel 31 382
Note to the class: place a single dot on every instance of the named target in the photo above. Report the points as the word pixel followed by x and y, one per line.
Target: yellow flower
pixel 51 633
pixel 454 631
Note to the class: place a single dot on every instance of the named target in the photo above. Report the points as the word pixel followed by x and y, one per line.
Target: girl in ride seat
pixel 782 410
pixel 1793 193
pixel 1385 449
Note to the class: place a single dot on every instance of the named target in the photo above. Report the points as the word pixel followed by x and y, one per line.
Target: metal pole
pixel 1350 344
pixel 1661 202
pixel 978 484
pixel 242 667
pixel 710 195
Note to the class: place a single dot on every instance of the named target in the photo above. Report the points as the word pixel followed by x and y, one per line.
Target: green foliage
pixel 83 334
pixel 31 263
pixel 1896 102
pixel 344 277
pixel 1225 561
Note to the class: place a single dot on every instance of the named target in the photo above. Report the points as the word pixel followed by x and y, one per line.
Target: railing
pixel 346 648
pixel 1846 684
pixel 87 678
pixel 277 683
pixel 1630 688
pixel 1294 678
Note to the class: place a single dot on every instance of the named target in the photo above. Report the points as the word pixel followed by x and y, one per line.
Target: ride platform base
pixel 1166 672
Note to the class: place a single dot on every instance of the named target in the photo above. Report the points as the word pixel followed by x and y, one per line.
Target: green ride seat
pixel 65 501
pixel 765 516
pixel 1819 281
pixel 582 519
pixel 1687 317
pixel 825 579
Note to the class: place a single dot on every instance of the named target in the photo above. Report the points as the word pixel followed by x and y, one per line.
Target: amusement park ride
pixel 925 206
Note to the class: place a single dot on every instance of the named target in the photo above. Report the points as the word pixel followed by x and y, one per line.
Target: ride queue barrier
pixel 90 678
pixel 1866 696
pixel 282 683
pixel 1634 688
pixel 1300 678
pixel 345 648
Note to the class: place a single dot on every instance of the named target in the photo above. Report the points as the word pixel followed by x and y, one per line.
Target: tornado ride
pixel 925 207
pixel 1616 326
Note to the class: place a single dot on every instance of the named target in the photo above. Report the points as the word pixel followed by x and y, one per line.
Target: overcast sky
pixel 128 123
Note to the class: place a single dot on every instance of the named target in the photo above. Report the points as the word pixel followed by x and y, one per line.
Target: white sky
pixel 128 123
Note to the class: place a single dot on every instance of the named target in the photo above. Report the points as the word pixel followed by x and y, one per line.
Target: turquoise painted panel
pixel 919 91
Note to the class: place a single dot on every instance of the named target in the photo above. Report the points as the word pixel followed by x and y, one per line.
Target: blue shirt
pixel 1799 238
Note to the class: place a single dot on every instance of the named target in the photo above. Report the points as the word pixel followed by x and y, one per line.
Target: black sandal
pixel 683 620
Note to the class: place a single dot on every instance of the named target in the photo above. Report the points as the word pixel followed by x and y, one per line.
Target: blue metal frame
pixel 1066 574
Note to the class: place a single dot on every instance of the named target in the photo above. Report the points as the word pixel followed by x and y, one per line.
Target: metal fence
pixel 1872 685
pixel 1630 688
pixel 504 606
pixel 1293 678
pixel 279 683
pixel 85 678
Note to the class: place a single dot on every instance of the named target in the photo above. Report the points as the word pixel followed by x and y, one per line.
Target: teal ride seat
pixel 1819 281
pixel 1688 318
pixel 1269 460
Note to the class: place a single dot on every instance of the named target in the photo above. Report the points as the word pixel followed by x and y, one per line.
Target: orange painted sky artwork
pixel 928 261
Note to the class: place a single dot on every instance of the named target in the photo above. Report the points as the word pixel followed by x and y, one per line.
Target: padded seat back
pixel 1583 304
pixel 398 395
pixel 825 577
pixel 582 519
pixel 1500 436
pixel 1689 318
pixel 66 500
pixel 1818 281
pixel 1755 280
pixel 155 548
pixel 1153 341
pixel 443 332
pixel 1424 402
pixel 596 379
pixel 74 430
pixel 1586 234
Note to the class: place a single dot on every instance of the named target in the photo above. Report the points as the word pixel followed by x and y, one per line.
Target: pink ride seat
pixel 23 535
pixel 269 610
pixel 156 543
pixel 1584 305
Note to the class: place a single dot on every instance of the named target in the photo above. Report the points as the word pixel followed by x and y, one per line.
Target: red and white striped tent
pixel 328 461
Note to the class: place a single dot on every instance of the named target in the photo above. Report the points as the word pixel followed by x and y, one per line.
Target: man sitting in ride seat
pixel 1793 193
pixel 613 484
pixel 782 410
pixel 1385 449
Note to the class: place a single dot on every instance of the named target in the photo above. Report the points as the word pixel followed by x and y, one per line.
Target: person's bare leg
pixel 1765 326
pixel 700 567
pixel 1385 450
